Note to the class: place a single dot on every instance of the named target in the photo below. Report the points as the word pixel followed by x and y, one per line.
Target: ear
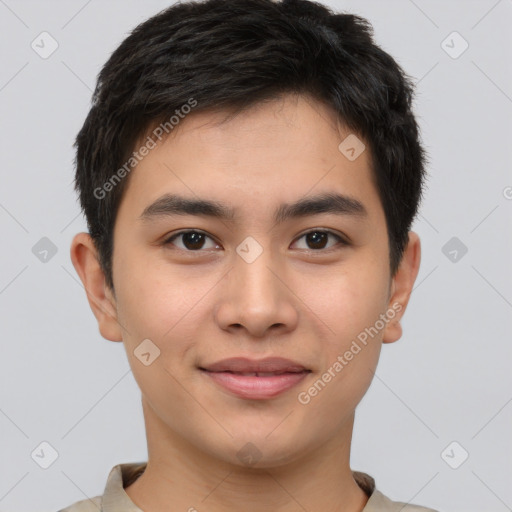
pixel 401 287
pixel 101 298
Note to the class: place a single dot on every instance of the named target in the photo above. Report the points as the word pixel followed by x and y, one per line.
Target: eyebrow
pixel 172 204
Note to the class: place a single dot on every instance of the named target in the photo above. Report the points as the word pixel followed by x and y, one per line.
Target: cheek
pixel 347 301
pixel 149 308
pixel 159 303
pixel 350 306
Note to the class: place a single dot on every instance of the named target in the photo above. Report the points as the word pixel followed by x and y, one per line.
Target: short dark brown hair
pixel 229 55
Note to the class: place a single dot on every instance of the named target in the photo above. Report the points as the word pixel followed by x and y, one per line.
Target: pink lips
pixel 256 379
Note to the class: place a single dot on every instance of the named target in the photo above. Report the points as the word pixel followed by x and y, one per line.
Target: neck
pixel 178 473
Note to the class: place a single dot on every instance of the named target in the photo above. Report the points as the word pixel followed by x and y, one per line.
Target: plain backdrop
pixel 443 392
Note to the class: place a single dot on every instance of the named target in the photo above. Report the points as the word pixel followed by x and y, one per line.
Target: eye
pixel 191 240
pixel 194 240
pixel 317 239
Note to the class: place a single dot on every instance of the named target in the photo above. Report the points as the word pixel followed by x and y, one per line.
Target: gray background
pixel 448 379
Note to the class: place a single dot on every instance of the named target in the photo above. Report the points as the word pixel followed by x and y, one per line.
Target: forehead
pixel 271 154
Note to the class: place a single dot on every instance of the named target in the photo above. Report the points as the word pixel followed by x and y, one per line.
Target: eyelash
pixel 341 240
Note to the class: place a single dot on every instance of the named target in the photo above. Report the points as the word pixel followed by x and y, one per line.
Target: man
pixel 249 171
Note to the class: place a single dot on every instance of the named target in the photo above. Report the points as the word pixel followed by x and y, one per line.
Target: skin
pixel 296 301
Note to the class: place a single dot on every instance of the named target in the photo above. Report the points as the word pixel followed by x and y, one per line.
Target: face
pixel 251 276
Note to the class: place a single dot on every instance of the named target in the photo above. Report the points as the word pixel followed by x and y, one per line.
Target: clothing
pixel 115 499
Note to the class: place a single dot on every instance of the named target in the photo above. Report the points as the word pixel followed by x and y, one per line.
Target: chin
pixel 259 450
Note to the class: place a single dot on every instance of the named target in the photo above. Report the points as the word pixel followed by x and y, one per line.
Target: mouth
pixel 255 379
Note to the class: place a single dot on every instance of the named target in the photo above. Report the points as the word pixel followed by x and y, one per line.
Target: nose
pixel 256 297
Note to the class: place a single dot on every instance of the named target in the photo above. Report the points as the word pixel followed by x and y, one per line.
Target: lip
pixel 246 365
pixel 240 376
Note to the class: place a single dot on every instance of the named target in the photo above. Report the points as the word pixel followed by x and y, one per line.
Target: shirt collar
pixel 115 498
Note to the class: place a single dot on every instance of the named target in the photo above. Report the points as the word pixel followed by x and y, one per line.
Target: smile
pixel 256 385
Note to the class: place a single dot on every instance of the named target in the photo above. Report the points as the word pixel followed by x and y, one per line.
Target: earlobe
pixel 401 287
pixel 84 257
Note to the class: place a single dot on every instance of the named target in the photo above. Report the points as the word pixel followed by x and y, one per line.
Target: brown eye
pixel 190 240
pixel 318 239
